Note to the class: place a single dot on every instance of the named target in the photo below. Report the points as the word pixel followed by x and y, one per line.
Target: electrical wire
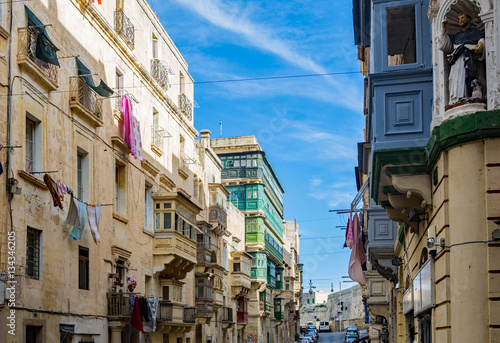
pixel 305 239
pixel 215 81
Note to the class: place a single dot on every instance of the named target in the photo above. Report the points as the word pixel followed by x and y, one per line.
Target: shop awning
pixel 46 50
pixel 103 89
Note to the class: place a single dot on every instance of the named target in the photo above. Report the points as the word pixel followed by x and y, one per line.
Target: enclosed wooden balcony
pixel 174 254
pixel 217 209
pixel 26 49
pixel 242 311
pixel 174 245
pixel 227 314
pixel 204 296
pixel 172 314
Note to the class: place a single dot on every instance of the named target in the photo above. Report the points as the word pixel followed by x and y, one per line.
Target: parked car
pixel 314 337
pixel 352 331
pixel 350 339
pixel 306 339
pixel 313 333
pixel 303 328
pixel 363 334
pixel 312 327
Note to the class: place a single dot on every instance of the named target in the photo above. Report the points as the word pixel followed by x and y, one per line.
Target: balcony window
pixel 236 267
pixel 401 35
pixel 148 208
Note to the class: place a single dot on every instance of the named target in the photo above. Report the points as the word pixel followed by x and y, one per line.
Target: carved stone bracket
pixel 417 189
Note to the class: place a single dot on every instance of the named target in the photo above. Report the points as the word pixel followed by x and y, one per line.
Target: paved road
pixel 331 337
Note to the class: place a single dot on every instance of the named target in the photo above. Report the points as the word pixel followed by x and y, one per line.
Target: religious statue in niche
pixel 465 55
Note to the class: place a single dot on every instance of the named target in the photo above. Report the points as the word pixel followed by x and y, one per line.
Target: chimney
pixel 205 138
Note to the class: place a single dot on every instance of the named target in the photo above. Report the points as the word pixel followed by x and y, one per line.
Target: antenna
pixel 220 124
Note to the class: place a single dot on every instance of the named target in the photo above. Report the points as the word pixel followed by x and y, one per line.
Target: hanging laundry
pixel 93 213
pixel 1 168
pixel 349 238
pixel 73 218
pixel 136 142
pixel 52 186
pixel 150 325
pixel 126 118
pixel 143 305
pixel 135 318
pixel 77 231
pixel 358 256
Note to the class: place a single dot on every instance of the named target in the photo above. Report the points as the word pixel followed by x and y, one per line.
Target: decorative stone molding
pixel 120 144
pixel 150 168
pixel 166 181
pixel 118 253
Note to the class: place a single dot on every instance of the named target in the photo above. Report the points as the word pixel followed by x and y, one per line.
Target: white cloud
pixel 237 20
pixel 316 181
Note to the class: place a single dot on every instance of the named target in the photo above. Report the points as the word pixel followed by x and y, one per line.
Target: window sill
pixel 30 178
pixel 120 217
pixel 148 232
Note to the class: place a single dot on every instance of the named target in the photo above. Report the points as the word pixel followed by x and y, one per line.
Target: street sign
pixel 249 336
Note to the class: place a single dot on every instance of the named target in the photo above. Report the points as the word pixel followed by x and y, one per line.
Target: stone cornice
pixel 453 132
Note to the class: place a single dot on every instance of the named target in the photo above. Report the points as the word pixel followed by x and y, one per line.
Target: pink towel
pixel 358 256
pixel 349 238
pixel 136 146
pixel 126 118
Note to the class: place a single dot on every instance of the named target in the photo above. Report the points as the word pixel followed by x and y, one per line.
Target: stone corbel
pixel 414 187
pixel 397 215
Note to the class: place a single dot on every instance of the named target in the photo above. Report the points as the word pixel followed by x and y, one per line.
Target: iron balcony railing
pixel 26 49
pixel 156 138
pixel 124 26
pixel 186 106
pixel 118 305
pixel 165 311
pixel 227 314
pixel 81 92
pixel 160 72
pixel 189 315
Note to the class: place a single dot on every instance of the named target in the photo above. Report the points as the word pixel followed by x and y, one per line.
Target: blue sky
pixel 308 126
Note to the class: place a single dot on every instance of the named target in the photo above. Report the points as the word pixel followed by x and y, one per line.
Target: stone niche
pixel 458 95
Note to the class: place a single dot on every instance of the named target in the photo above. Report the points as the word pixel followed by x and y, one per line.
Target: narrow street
pixel 331 337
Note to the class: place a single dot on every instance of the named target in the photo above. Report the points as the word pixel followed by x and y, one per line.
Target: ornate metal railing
pixel 227 314
pixel 85 96
pixel 118 304
pixel 165 311
pixel 26 48
pixel 156 139
pixel 189 315
pixel 186 106
pixel 124 26
pixel 160 71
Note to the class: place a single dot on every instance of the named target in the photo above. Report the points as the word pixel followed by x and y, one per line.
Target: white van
pixel 324 326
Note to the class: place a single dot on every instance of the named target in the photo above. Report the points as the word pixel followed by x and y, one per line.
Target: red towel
pixel 135 319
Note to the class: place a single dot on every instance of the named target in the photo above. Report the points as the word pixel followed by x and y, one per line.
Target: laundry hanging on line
pixel 132 132
pixel 93 213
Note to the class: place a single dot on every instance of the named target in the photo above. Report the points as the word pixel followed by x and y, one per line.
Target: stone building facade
pixel 437 184
pixel 70 70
